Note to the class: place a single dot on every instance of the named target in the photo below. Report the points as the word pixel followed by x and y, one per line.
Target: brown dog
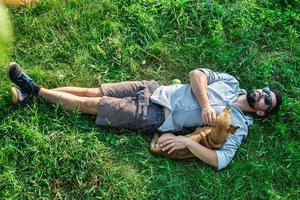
pixel 210 137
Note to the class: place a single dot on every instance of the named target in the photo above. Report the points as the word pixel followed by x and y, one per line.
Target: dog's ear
pixel 233 128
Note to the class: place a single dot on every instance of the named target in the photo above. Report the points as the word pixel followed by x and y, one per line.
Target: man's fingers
pixel 209 116
pixel 205 119
pixel 171 150
pixel 214 119
pixel 165 143
pixel 212 122
pixel 209 120
pixel 168 146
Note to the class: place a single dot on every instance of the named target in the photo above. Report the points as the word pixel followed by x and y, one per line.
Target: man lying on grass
pixel 146 106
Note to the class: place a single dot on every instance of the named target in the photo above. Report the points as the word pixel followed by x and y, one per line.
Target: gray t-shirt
pixel 223 91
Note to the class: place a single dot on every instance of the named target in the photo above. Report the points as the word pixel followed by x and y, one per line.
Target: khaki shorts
pixel 127 105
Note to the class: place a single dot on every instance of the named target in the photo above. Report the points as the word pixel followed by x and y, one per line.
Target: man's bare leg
pixel 28 88
pixel 71 102
pixel 82 92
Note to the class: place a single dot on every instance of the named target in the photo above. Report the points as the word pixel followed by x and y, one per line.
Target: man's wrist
pixel 189 142
pixel 205 106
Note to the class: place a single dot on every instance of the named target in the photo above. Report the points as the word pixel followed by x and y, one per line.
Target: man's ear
pixel 233 128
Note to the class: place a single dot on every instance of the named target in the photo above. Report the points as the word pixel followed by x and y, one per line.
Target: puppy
pixel 210 137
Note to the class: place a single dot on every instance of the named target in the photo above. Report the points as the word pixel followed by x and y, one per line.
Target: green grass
pixel 5 33
pixel 46 153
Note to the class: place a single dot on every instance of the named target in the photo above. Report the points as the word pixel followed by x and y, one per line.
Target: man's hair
pixel 275 109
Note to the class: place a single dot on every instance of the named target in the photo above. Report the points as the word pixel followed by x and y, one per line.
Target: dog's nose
pixel 227 109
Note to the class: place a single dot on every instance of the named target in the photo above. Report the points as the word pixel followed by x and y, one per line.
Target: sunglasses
pixel 268 99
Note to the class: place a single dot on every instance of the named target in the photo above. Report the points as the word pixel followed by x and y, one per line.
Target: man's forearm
pixel 198 82
pixel 206 155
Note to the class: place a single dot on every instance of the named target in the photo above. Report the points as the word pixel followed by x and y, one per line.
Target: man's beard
pixel 251 99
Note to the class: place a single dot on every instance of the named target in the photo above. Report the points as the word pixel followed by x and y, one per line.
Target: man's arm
pixel 199 82
pixel 206 155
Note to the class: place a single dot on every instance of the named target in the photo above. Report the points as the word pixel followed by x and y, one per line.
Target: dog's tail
pixel 153 148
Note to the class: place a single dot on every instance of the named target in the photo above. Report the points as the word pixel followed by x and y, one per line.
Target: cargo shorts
pixel 128 105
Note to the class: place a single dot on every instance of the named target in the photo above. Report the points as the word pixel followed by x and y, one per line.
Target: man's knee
pixel 89 105
pixel 97 92
pixel 100 91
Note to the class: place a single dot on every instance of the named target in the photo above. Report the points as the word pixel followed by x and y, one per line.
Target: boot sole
pixel 14 93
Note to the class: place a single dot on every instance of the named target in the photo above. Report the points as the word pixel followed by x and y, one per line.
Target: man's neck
pixel 242 103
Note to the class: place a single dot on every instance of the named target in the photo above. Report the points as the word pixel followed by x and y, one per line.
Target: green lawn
pixel 46 153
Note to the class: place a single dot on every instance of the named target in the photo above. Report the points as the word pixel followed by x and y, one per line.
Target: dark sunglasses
pixel 268 99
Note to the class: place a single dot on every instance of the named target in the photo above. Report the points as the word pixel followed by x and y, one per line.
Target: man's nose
pixel 262 94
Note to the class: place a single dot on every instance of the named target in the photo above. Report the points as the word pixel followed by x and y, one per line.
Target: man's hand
pixel 209 115
pixel 178 142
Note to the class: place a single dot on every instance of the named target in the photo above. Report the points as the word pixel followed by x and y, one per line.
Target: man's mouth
pixel 256 95
pixel 252 98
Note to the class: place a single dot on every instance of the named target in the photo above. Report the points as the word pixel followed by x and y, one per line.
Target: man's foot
pixel 19 77
pixel 19 96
